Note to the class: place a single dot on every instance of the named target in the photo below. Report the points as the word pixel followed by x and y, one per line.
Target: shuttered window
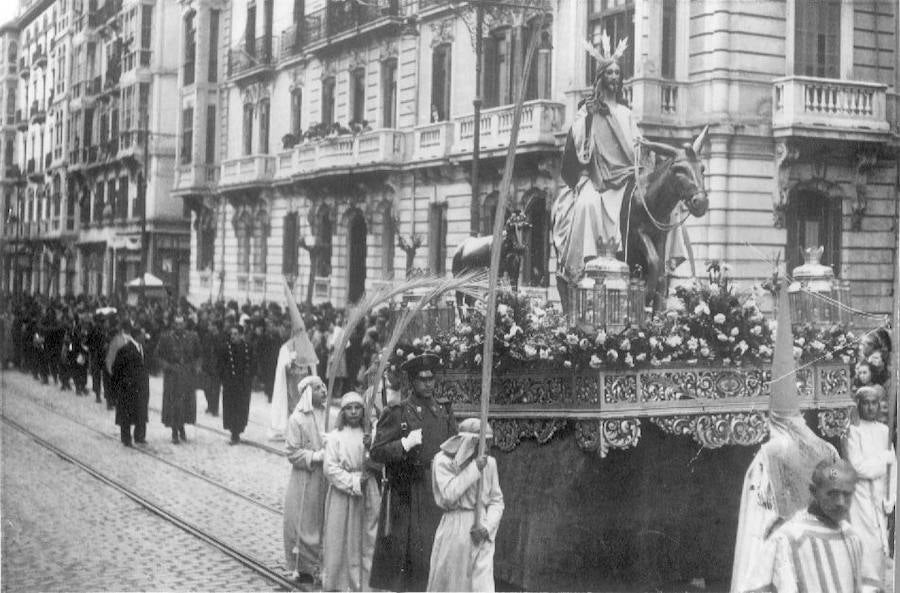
pixel 289 246
pixel 817 39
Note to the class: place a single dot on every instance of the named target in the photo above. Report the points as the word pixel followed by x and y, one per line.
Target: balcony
pixel 24 68
pixel 35 174
pixel 192 176
pixel 247 60
pixel 292 41
pixel 823 109
pixel 339 18
pixel 432 141
pixel 131 143
pixel 368 150
pixel 39 58
pixel 541 121
pixel 93 87
pixel 247 170
pixel 38 114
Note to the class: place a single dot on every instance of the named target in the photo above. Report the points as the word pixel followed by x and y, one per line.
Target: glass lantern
pixel 606 297
pixel 816 296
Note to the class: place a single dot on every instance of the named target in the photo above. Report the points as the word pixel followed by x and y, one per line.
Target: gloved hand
pixel 413 439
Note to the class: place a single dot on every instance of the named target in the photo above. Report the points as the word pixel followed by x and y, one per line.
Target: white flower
pixel 625 344
pixel 756 330
pixel 701 309
pixel 641 357
pixel 437 349
pixel 417 343
pixel 545 354
pixel 704 352
pixel 719 318
pixel 584 344
pixel 567 364
pixel 477 359
pixel 798 352
pixel 427 341
pixel 801 341
pixel 601 338
pixel 742 346
pixel 671 315
pixel 654 343
pixel 572 339
pixel 410 356
pixel 674 341
pixel 399 352
pixel 629 360
pixel 529 350
pixel 463 348
pixel 503 310
pixel 817 345
pixel 735 331
pixel 845 358
pixel 612 355
pixel 721 337
pixel 596 362
pixel 692 343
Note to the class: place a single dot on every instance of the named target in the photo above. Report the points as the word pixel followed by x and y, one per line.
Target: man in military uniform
pixel 408 435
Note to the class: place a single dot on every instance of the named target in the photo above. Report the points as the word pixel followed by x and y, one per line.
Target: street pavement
pixel 52 523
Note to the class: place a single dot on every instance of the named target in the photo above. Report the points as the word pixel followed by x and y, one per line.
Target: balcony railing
pixel 823 105
pixel 249 57
pixel 340 17
pixel 93 86
pixel 193 175
pixel 39 58
pixel 38 114
pixel 432 141
pixel 292 41
pixel 378 147
pixel 21 120
pixel 248 169
pixel 24 68
pixel 541 121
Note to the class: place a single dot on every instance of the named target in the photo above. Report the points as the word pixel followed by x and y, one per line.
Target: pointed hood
pixel 299 342
pixel 785 400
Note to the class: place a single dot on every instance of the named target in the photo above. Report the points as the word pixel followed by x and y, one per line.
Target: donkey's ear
pixel 698 142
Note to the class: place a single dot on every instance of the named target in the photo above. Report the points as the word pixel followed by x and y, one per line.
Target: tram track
pixel 274 576
pixel 159 458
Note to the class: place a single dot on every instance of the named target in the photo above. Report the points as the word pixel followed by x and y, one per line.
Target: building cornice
pixel 32 12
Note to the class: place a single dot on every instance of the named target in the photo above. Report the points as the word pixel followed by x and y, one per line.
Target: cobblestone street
pixel 65 530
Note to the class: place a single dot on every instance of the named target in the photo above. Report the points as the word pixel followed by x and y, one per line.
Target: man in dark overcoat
pixel 407 437
pixel 236 364
pixel 179 355
pixel 130 384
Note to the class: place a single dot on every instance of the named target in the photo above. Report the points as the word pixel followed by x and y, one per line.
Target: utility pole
pixel 476 104
pixel 143 190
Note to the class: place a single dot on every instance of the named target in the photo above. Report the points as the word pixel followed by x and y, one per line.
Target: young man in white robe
pixel 867 447
pixel 351 505
pixel 462 558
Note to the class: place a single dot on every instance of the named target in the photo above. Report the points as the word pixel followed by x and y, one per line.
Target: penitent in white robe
pixel 866 448
pixel 456 563
pixel 351 514
pixel 282 404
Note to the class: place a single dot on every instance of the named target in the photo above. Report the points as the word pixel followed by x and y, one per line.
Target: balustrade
pixel 829 104
pixel 541 121
pixel 248 169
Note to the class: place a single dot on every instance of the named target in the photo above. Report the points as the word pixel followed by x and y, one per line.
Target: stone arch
pixel 814 217
pixel 357 251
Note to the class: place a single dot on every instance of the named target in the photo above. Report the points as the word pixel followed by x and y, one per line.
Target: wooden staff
pixel 499 221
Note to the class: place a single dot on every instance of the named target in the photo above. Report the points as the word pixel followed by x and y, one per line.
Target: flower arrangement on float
pixel 702 324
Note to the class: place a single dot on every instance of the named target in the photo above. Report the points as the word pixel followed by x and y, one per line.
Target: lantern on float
pixel 606 297
pixel 816 296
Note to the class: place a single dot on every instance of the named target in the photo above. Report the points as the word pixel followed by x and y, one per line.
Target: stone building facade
pixel 87 186
pixel 800 97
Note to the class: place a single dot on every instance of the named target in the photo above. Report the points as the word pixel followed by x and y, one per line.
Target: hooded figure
pixel 462 558
pixel 306 488
pixel 296 359
pixel 351 505
pixel 777 482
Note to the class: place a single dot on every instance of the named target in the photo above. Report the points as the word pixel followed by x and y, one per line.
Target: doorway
pixel 356 272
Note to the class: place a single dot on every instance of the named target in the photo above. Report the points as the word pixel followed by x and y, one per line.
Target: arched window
pixel 190 47
pixel 291 238
pixel 264 110
pixel 488 212
pixel 205 227
pixel 441 67
pixel 259 238
pixel 540 79
pixel 242 226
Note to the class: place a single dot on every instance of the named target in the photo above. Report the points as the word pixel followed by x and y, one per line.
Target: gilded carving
pixel 508 433
pixel 785 154
pixel 716 430
pixel 442 32
pixel 835 423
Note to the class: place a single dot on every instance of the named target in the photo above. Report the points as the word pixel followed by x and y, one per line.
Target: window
pixel 264 109
pixel 388 239
pixel 259 239
pixel 497 69
pixel 205 226
pixel 250 31
pixel 539 79
pixel 289 263
pixel 537 241
pixel 328 100
pixel 616 18
pixel 146 33
pixel 358 94
pixel 817 38
pixel 296 111
pixel 123 196
pixel 210 134
pixel 190 47
pixel 187 135
pixel 488 212
pixel 814 219
pixel 667 61
pixel 323 241
pixel 437 238
pixel 242 233
pixel 248 128
pixel 128 110
pixel 98 202
pixel 213 74
pixel 389 93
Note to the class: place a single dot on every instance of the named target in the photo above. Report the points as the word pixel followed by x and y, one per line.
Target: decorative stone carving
pixel 388 50
pixel 357 60
pixel 442 32
pixel 865 161
pixel 297 75
pixel 785 154
pixel 835 423
pixel 328 69
pixel 597 436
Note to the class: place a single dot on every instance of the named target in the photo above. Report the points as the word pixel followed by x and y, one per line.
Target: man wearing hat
pixel 408 436
pixel 179 354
